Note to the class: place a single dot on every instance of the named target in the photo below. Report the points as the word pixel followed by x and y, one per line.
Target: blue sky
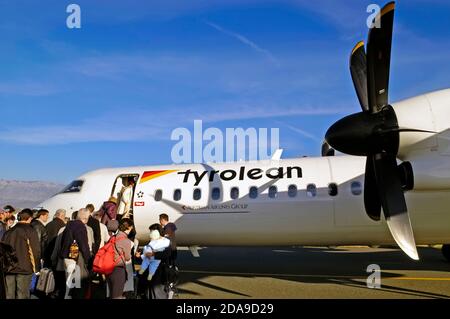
pixel 110 93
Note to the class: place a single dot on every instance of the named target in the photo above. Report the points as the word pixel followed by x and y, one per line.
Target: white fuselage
pixel 277 217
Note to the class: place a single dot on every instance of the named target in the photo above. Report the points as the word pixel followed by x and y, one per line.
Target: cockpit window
pixel 74 187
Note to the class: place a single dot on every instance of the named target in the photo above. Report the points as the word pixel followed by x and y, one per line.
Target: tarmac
pixel 311 273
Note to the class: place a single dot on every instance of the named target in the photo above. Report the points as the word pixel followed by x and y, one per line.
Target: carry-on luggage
pixel 46 281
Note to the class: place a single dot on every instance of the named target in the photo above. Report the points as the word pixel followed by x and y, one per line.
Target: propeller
pixel 375 133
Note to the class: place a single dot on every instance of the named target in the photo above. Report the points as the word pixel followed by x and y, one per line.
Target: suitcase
pixel 46 281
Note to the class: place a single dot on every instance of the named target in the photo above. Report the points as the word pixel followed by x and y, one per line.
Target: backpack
pixel 105 259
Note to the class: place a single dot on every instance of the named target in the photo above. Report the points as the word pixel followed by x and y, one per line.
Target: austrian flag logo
pixel 149 175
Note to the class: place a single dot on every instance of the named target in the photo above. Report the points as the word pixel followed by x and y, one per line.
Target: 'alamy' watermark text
pixel 214 145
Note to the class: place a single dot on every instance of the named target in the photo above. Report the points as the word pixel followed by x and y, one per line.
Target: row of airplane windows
pixel 311 191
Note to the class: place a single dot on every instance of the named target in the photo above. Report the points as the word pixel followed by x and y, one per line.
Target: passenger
pixel 75 251
pixel 108 210
pixel 104 236
pixel 129 291
pixel 132 234
pixel 156 288
pixel 91 241
pixel 53 228
pixel 58 222
pixel 90 208
pixel 10 222
pixel 9 211
pixel 35 213
pixel 39 226
pixel 25 242
pixel 8 260
pixel 95 225
pixel 58 265
pixel 169 232
pixel 116 280
pixel 156 244
pixel 125 198
pixel 3 226
pixel 98 283
pixel 90 232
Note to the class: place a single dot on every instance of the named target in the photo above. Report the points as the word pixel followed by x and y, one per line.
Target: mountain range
pixel 26 194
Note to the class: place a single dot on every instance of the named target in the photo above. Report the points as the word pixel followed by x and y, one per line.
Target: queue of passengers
pixel 57 258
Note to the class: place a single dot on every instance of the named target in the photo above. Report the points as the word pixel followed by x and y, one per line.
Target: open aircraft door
pixel 118 186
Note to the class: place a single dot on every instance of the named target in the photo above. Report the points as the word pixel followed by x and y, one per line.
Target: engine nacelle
pixel 429 153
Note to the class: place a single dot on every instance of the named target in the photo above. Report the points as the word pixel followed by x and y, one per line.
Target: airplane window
pixel 356 188
pixel 177 195
pixel 292 190
pixel 197 194
pixel 158 195
pixel 74 187
pixel 332 189
pixel 273 193
pixel 215 194
pixel 311 190
pixel 253 192
pixel 234 194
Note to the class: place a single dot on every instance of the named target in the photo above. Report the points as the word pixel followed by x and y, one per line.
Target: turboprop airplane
pixel 396 160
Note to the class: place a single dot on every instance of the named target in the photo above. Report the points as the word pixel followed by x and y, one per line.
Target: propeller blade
pixel 393 202
pixel 401 229
pixel 358 70
pixel 327 150
pixel 372 201
pixel 379 58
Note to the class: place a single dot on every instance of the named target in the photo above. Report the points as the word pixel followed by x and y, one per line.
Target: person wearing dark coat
pixel 8 259
pixel 58 222
pixel 108 210
pixel 76 233
pixel 39 226
pixel 25 242
pixel 95 225
pixel 53 228
pixel 169 230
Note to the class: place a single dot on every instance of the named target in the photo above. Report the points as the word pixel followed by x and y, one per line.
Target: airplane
pixel 394 158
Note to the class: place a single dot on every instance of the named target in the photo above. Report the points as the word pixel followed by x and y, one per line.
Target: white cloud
pixel 245 41
pixel 301 132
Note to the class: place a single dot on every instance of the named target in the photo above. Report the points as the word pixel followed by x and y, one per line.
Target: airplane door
pixel 118 187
